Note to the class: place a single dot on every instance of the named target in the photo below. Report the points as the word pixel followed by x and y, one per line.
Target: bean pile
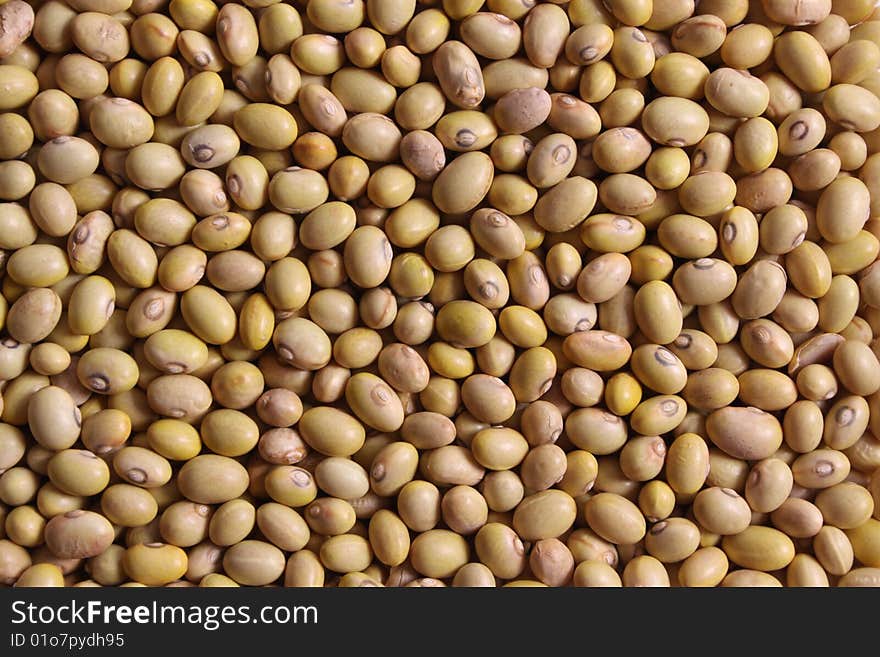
pixel 456 292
